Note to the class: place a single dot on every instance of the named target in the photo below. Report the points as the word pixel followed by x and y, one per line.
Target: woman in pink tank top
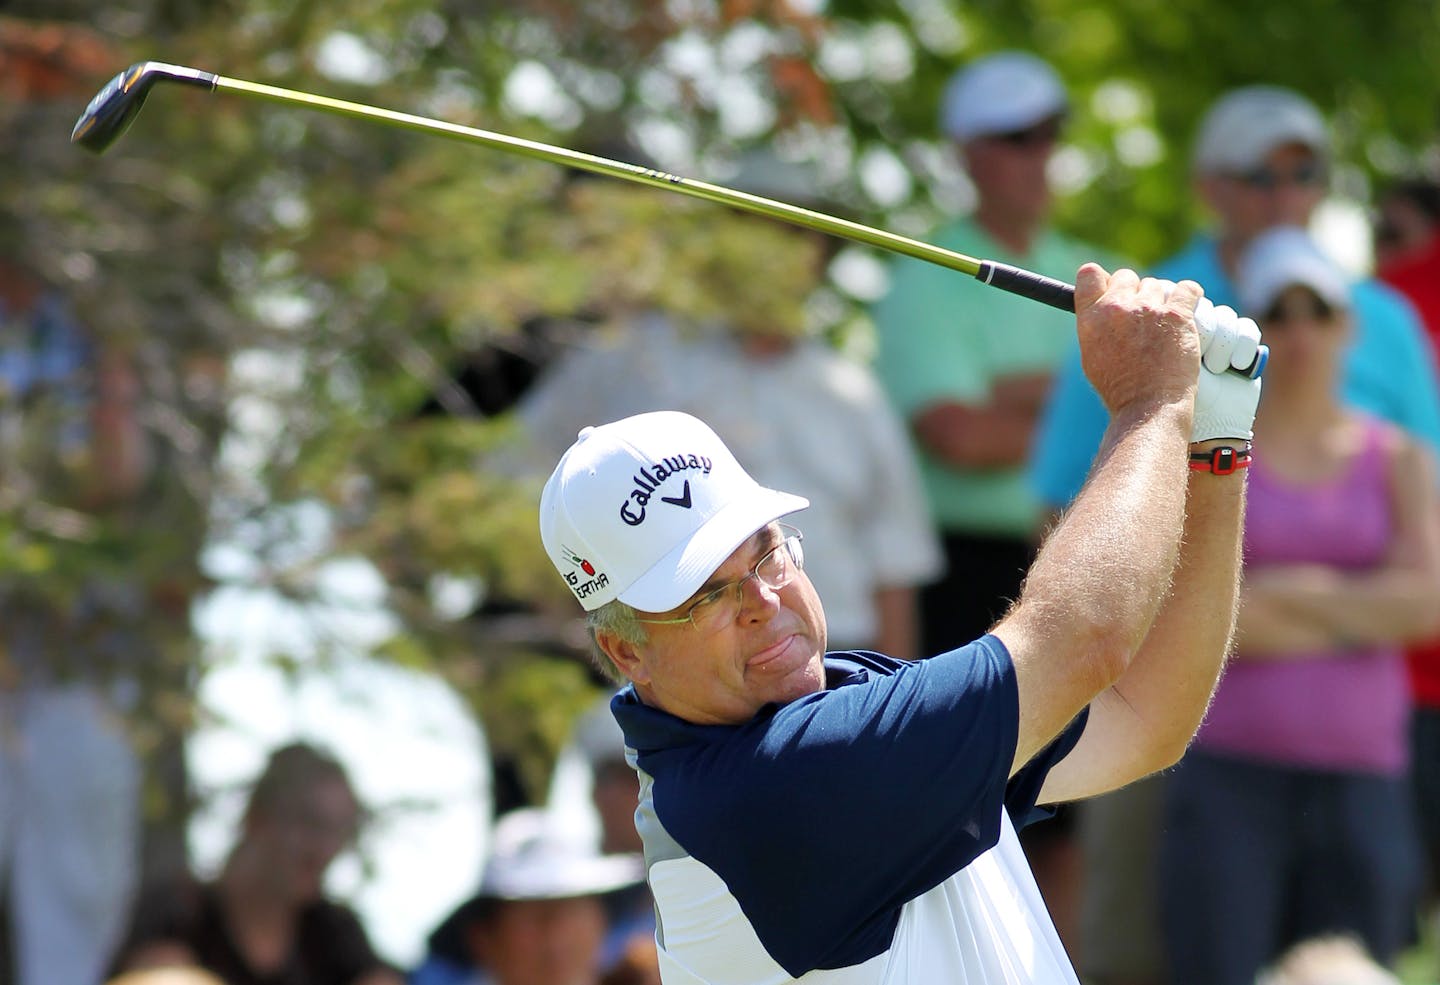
pixel 1290 816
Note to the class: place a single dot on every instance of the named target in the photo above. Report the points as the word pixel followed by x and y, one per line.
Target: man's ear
pixel 624 655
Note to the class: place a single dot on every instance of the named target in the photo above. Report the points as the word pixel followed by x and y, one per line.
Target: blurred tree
pixel 299 287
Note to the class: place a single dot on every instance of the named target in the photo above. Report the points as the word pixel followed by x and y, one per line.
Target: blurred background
pixel 328 321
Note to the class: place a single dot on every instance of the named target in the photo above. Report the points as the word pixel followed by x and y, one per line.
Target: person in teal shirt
pixel 969 367
pixel 1260 161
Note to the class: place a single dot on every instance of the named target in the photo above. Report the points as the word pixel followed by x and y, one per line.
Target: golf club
pixel 115 106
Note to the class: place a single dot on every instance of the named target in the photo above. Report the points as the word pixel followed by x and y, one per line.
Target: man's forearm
pixel 1095 589
pixel 1170 681
pixel 1111 557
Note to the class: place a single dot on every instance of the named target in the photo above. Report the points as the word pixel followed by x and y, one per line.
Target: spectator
pixel 539 917
pixel 266 919
pixel 807 418
pixel 1331 960
pixel 594 793
pixel 639 965
pixel 969 368
pixel 1408 251
pixel 1290 815
pixel 75 460
pixel 1260 159
pixel 1406 245
pixel 166 977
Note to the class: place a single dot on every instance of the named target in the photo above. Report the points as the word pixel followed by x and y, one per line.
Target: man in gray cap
pixel 1261 159
pixel 539 916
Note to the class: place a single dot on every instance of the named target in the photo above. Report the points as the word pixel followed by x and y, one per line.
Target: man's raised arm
pixel 1144 721
pixel 1094 590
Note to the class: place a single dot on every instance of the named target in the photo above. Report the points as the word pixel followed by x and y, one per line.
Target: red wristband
pixel 1225 460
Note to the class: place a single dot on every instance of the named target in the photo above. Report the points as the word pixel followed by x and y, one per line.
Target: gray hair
pixel 617 619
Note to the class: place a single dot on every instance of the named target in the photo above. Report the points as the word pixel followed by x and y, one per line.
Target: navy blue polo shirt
pixel 797 840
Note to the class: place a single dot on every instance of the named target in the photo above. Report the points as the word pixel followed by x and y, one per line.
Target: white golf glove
pixel 1225 401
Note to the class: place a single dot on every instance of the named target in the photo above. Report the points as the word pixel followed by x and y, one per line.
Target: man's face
pixel 772 651
pixel 302 837
pixel 1283 191
pixel 542 942
pixel 1009 169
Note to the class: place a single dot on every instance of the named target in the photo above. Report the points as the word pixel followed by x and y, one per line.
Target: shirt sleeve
pixel 825 816
pixel 1070 431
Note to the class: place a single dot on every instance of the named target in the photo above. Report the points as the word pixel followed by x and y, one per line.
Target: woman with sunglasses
pixel 1290 815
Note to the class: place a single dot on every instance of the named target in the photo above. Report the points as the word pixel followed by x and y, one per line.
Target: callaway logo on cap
pixel 646 508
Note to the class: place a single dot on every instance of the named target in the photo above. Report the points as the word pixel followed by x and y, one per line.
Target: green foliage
pixel 529 703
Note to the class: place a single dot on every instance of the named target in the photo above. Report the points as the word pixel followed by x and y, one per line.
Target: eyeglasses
pixel 775 570
pixel 1041 134
pixel 1311 309
pixel 1268 179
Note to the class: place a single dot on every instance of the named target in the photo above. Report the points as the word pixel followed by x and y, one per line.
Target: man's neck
pixel 1014 232
pixel 1229 249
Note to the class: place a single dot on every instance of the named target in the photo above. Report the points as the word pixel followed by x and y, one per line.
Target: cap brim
pixel 679 574
pixel 566 879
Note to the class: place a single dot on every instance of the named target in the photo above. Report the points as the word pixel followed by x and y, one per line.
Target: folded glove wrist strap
pixel 1224 460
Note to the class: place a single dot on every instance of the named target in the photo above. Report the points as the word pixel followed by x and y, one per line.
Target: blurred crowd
pixel 1298 841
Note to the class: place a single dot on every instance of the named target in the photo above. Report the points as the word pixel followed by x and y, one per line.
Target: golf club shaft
pixel 1055 293
pixel 116 105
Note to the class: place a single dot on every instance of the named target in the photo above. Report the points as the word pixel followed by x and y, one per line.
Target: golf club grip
pixel 1027 284
pixel 1058 294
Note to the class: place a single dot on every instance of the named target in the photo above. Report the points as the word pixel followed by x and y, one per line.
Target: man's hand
pixel 1138 340
pixel 1225 401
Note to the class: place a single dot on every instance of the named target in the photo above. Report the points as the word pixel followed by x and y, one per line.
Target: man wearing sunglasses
pixel 968 368
pixel 1261 160
pixel 849 817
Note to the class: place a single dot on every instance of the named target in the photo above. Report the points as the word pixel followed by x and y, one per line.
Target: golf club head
pixel 115 106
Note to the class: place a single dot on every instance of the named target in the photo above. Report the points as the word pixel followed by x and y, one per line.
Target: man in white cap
pixel 1261 159
pixel 539 916
pixel 967 367
pixel 851 817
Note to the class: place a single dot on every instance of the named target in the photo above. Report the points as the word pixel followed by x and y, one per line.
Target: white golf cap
pixel 534 859
pixel 1001 93
pixel 1284 257
pixel 646 508
pixel 1246 124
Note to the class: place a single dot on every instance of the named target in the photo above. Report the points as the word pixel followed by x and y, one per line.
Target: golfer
pixel 850 817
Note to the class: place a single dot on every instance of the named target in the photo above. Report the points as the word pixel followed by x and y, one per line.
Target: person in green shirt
pixel 969 367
